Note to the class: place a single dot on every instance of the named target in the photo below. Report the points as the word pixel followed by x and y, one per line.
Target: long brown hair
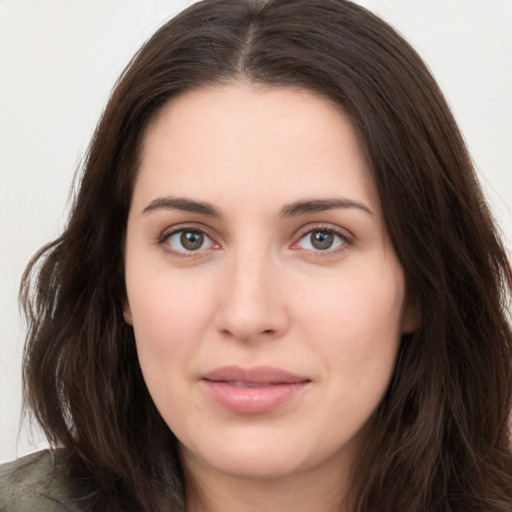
pixel 440 438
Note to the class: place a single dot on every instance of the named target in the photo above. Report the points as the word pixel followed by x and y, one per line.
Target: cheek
pixel 356 324
pixel 169 318
pixel 168 322
pixel 356 309
pixel 165 308
pixel 358 335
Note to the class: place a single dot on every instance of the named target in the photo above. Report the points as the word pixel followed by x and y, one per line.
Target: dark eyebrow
pixel 319 205
pixel 181 203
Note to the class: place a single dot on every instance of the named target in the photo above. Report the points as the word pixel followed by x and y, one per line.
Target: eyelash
pixel 166 235
pixel 346 240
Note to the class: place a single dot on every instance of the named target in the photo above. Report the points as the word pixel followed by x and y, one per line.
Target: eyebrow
pixel 183 204
pixel 294 209
pixel 320 205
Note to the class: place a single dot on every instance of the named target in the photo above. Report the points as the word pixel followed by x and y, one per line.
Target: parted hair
pixel 439 441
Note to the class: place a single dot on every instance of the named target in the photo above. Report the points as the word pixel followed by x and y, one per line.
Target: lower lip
pixel 253 400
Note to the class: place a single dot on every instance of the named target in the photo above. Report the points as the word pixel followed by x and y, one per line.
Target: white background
pixel 60 58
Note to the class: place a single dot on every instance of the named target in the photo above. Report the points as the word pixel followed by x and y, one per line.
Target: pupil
pixel 192 240
pixel 322 240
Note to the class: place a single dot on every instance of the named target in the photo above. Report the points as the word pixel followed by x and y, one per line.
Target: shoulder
pixel 35 483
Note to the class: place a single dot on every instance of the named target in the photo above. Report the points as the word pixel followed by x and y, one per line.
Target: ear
pixel 127 313
pixel 411 319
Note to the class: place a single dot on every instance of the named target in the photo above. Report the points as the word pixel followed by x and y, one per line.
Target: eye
pixel 322 240
pixel 188 240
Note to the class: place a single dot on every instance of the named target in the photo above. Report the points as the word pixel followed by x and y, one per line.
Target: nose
pixel 252 304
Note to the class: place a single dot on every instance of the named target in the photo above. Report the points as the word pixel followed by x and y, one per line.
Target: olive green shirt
pixel 35 484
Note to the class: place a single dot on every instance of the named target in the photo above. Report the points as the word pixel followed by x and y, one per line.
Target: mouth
pixel 255 390
pixel 242 384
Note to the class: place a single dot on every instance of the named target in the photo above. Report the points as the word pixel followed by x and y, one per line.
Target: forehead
pixel 240 139
pixel 246 108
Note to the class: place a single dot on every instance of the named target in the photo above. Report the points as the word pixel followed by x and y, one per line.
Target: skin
pixel 258 291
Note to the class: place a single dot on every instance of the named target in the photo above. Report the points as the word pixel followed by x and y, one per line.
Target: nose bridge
pixel 250 304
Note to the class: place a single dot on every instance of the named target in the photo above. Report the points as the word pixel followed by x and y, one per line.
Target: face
pixel 265 296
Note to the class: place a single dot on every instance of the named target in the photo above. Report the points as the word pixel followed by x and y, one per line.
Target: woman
pixel 279 288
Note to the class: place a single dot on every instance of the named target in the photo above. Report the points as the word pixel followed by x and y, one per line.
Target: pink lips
pixel 255 390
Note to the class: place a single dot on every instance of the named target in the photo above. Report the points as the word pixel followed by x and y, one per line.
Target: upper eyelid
pixel 334 231
pixel 190 226
pixel 321 226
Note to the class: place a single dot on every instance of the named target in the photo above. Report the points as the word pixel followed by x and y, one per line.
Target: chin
pixel 265 465
pixel 260 454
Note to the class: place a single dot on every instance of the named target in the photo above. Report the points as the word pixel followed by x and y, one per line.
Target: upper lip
pixel 255 375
